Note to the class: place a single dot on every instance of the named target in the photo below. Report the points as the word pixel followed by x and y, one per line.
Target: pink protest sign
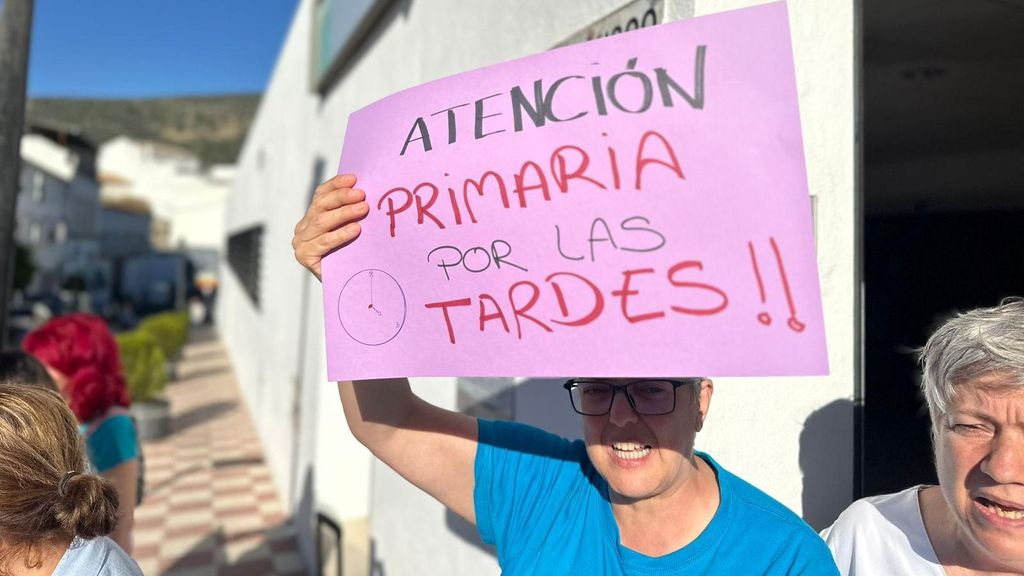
pixel 631 206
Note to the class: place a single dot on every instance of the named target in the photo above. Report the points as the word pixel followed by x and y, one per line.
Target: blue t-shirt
pixel 113 442
pixel 544 506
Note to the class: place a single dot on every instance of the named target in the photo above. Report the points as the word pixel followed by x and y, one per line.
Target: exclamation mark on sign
pixel 793 322
pixel 764 317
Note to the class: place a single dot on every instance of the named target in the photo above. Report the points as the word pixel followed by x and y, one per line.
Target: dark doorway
pixel 920 268
pixel 943 201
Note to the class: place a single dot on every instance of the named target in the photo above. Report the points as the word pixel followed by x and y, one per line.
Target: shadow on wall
pixel 305 519
pixel 376 565
pixel 467 532
pixel 542 402
pixel 821 463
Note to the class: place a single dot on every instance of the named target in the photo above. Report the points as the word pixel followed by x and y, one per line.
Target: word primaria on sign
pixel 610 94
pixel 529 178
pixel 520 308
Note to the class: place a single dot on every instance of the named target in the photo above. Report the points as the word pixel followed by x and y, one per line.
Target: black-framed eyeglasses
pixel 650 397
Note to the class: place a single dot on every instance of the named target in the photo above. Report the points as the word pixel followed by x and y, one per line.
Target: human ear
pixel 707 389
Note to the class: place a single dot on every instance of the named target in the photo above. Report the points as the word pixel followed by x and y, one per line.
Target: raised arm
pixel 431 447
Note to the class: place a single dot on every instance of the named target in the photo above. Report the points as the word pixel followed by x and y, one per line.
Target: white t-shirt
pixel 96 557
pixel 883 535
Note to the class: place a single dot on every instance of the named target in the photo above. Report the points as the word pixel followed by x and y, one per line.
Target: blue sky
pixel 151 48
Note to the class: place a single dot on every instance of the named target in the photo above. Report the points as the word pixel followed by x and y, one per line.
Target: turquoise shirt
pixel 112 443
pixel 541 502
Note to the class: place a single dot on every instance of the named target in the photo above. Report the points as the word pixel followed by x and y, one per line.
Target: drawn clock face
pixel 371 307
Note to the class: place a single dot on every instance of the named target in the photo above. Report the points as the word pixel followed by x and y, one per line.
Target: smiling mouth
pixel 1000 510
pixel 631 450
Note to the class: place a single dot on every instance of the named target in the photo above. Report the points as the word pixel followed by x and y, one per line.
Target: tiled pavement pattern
pixel 211 508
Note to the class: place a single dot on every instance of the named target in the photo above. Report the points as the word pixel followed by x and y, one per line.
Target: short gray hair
pixel 969 345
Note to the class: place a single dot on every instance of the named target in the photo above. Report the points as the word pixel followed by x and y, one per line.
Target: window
pixel 338 26
pixel 35 233
pixel 244 258
pixel 60 232
pixel 38 186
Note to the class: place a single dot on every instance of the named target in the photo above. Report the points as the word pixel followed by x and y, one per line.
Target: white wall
pixel 277 348
pixel 756 426
pixel 169 179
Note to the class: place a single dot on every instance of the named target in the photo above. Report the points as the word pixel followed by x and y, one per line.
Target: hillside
pixel 213 127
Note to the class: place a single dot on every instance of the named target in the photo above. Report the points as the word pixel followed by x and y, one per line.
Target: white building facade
pixel 58 207
pixel 186 200
pixel 792 437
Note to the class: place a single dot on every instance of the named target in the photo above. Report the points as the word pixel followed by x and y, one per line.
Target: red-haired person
pixel 81 356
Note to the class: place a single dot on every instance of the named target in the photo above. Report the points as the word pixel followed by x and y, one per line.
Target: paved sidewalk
pixel 211 508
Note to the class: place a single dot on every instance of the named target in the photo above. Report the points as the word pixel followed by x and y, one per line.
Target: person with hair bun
pixel 80 354
pixel 54 518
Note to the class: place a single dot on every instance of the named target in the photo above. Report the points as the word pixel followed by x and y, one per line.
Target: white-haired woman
pixel 973 521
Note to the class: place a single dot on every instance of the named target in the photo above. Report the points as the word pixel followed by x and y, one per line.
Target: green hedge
pixel 144 364
pixel 169 329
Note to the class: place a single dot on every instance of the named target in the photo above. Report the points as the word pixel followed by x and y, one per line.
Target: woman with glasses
pixel 633 497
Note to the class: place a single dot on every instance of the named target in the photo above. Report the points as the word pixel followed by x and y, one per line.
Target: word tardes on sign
pixel 634 205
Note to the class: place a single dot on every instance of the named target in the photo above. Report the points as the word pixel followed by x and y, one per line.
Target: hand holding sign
pixel 330 222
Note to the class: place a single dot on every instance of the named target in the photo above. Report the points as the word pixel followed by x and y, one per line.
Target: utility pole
pixel 15 31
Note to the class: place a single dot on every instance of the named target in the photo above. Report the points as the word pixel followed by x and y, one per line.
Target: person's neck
pixel 661 525
pixel 47 556
pixel 957 556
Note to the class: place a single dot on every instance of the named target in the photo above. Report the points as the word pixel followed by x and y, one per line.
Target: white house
pixel 187 201
pixel 341 56
pixel 58 206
